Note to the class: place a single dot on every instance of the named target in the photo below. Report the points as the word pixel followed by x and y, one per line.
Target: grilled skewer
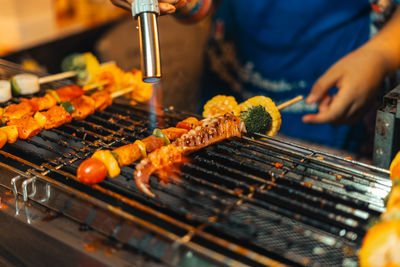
pixel 103 162
pixel 251 116
pixel 210 131
pixel 28 107
pixel 109 162
pixel 28 126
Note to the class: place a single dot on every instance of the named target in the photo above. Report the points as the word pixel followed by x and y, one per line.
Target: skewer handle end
pixel 290 102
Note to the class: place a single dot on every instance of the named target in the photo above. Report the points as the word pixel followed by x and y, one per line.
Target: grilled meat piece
pixel 69 92
pixel 84 106
pixel 102 100
pixel 42 103
pixel 3 139
pixel 56 116
pixel 27 126
pixel 211 131
pixel 17 111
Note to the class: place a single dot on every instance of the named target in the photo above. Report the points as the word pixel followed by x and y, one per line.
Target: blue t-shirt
pixel 279 49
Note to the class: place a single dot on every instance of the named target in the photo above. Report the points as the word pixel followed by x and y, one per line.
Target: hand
pixel 166 6
pixel 357 77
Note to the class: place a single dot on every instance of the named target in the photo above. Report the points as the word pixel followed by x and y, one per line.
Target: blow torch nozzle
pixel 146 12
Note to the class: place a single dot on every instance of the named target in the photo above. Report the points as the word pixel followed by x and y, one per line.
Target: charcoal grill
pixel 251 201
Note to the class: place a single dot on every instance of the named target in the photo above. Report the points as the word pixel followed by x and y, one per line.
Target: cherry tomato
pixel 91 171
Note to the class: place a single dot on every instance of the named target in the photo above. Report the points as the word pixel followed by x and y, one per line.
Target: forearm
pixel 387 42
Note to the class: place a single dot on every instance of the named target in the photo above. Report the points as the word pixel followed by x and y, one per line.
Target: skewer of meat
pixel 252 114
pixel 78 108
pixel 209 131
pixel 105 162
pixel 50 99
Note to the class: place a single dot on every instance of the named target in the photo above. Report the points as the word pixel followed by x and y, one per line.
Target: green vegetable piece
pixel 15 89
pixel 160 134
pixel 72 62
pixel 256 119
pixel 68 107
pixel 76 62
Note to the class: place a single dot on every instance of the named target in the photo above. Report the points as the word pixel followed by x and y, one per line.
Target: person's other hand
pixel 357 77
pixel 166 6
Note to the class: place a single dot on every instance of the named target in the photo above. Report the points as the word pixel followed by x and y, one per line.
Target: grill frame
pixel 197 228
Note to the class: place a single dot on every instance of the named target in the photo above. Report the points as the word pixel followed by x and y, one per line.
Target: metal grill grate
pixel 232 205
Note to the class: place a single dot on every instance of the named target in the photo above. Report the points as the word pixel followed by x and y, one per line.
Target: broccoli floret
pixel 256 119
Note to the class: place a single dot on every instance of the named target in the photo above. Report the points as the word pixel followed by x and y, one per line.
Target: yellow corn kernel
pixel 219 105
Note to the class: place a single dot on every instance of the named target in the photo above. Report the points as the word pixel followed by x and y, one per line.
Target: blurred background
pixel 39 34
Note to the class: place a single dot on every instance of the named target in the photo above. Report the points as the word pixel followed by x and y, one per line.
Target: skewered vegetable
pixel 270 117
pixel 84 65
pixel 257 120
pixel 24 84
pixel 68 107
pixel 269 107
pixel 219 105
pixel 92 171
pixel 130 153
pixel 109 161
pixel 5 91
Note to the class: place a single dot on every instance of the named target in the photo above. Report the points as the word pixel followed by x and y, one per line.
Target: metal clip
pixel 48 191
pixel 25 185
pixel 14 185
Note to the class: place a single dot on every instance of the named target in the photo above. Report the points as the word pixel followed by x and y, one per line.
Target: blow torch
pixel 146 12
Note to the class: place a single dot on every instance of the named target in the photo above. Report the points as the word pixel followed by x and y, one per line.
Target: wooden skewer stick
pixel 94 85
pixel 290 102
pixel 64 75
pixel 122 92
pixel 56 77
